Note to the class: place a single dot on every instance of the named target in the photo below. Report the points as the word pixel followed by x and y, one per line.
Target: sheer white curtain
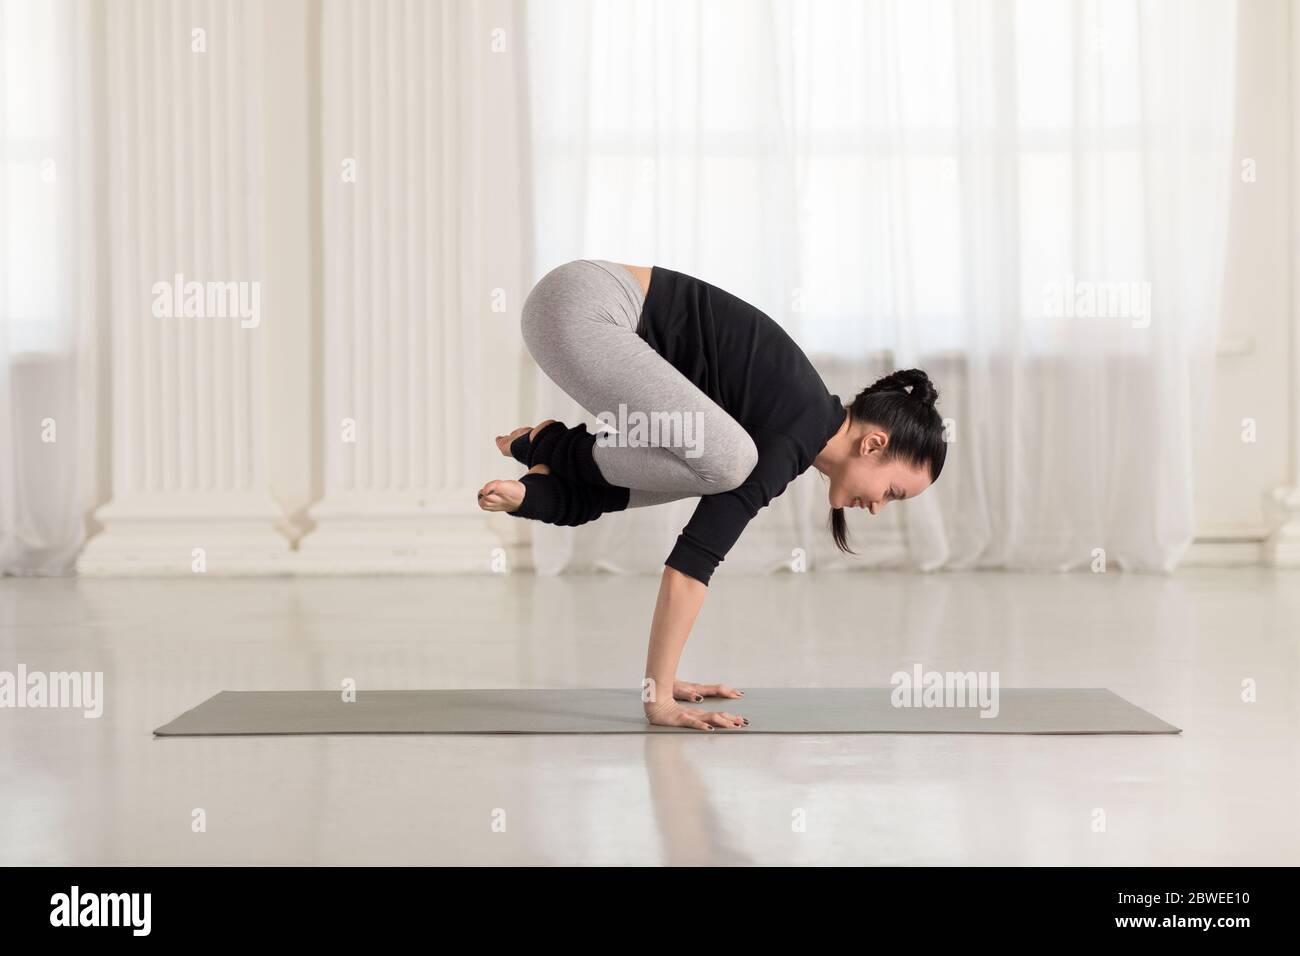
pixel 1027 199
pixel 49 280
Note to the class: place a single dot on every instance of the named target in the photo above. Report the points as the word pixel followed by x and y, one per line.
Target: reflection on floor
pixel 104 791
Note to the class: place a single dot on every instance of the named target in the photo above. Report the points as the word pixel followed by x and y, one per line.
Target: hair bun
pixel 911 381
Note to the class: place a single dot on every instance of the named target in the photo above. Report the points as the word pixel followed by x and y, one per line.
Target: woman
pixel 746 412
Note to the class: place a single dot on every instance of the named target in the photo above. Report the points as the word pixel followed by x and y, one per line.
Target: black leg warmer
pixel 556 500
pixel 566 451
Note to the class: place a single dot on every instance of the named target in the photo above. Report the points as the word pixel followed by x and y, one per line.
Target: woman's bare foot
pixel 504 441
pixel 505 494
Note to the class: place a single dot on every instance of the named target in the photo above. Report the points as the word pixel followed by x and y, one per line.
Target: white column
pixel 424 241
pixel 190 485
pixel 1282 507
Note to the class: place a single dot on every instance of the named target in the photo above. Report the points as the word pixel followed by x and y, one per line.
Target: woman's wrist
pixel 653 709
pixel 656 693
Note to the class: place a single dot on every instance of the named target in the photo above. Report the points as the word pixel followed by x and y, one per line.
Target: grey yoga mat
pixel 771 710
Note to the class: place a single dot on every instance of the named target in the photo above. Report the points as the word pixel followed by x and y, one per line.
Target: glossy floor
pixel 79 790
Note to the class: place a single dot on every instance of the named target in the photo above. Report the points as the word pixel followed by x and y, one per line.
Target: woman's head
pixel 895 447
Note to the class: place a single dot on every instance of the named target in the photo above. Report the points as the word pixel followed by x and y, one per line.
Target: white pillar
pixel 1282 507
pixel 190 484
pixel 424 251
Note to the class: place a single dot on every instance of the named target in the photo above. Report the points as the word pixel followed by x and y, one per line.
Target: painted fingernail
pixel 698 698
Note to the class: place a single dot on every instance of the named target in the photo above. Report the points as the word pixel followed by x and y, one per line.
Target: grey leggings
pixel 579 322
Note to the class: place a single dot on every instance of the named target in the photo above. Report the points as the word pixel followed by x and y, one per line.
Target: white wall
pixel 1255 370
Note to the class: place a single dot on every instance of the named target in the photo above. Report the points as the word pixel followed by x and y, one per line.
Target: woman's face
pixel 868 481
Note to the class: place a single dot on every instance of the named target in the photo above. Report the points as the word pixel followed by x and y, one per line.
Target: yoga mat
pixel 771 710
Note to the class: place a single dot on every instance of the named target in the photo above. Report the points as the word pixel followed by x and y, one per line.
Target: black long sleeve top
pixel 744 361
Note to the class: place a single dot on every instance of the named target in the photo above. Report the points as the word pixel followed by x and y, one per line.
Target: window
pixel 36 72
pixel 942 175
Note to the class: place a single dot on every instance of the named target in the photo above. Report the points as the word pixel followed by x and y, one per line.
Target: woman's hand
pixel 673 714
pixel 680 597
pixel 686 690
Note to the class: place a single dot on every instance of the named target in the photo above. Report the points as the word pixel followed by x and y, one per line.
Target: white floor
pixel 85 791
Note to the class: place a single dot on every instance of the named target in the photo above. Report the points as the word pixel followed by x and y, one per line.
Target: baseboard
pixel 1223 553
pixel 407 545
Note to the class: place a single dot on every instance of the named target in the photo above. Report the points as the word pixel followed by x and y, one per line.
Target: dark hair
pixel 909 417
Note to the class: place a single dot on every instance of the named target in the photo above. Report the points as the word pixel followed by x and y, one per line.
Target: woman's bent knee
pixel 737 464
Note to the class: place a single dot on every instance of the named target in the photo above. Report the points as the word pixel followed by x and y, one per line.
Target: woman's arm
pixel 680 599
